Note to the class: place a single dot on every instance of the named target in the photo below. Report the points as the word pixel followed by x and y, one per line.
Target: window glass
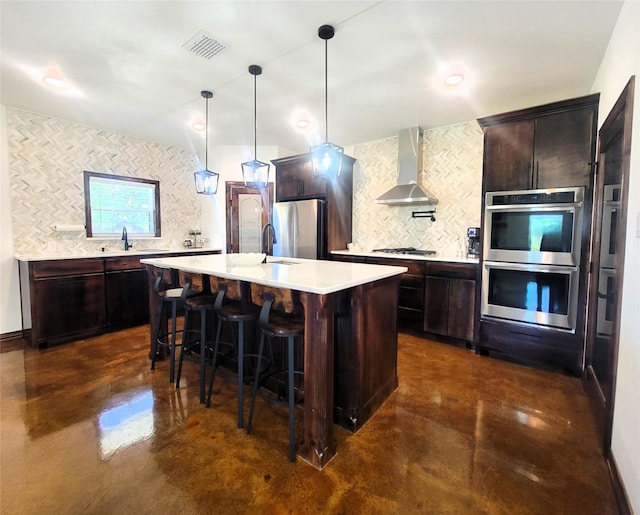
pixel 113 202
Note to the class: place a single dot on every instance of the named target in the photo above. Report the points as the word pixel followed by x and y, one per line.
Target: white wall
pixel 10 318
pixel 621 61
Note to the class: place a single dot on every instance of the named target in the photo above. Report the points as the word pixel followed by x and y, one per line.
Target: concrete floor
pixel 87 428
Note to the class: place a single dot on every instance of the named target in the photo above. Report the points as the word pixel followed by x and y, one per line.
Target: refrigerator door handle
pixel 294 230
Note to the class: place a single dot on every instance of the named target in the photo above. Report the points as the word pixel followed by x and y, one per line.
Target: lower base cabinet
pixel 68 299
pixel 435 297
pixel 450 295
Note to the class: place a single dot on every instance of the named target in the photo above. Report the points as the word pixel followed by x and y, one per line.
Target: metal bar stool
pixel 279 325
pixel 170 299
pixel 195 349
pixel 234 312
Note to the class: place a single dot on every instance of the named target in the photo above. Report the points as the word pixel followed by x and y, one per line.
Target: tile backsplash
pixel 47 157
pixel 452 172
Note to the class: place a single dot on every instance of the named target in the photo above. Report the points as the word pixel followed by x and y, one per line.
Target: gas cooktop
pixel 407 250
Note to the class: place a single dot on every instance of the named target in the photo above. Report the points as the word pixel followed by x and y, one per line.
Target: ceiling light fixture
pixel 255 172
pixel 454 79
pixel 54 82
pixel 206 180
pixel 327 157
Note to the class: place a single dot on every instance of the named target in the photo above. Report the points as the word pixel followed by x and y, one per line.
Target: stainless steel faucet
pixel 125 238
pixel 268 229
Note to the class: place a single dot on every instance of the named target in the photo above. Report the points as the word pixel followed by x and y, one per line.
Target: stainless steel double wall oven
pixel 531 256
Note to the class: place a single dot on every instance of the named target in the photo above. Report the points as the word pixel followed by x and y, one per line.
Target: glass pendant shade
pixel 206 180
pixel 327 159
pixel 255 172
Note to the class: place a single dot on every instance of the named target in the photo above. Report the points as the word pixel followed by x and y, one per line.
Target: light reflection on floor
pixel 126 424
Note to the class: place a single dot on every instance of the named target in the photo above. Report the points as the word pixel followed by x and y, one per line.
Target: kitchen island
pixel 350 343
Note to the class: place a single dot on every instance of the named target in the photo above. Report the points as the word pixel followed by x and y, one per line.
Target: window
pixel 113 202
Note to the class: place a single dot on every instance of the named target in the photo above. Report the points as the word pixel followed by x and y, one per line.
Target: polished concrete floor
pixel 87 428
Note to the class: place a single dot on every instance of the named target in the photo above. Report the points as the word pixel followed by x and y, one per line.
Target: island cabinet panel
pixel 549 146
pixel 67 302
pixel 411 291
pixel 365 370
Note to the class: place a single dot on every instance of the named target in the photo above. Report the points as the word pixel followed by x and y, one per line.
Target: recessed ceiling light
pixel 54 82
pixel 454 79
pixel 198 126
pixel 303 124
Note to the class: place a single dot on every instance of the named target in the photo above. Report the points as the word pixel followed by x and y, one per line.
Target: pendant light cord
pixel 326 92
pixel 255 118
pixel 206 134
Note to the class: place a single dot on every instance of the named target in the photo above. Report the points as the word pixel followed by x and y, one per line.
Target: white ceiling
pixel 386 63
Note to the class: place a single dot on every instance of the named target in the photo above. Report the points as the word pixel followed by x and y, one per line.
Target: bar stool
pixel 279 325
pixel 171 300
pixel 234 313
pixel 196 349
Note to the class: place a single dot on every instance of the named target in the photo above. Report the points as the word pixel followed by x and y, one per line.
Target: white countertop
pixel 413 257
pixel 53 256
pixel 308 275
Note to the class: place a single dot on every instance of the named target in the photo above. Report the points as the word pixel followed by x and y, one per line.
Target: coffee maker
pixel 473 242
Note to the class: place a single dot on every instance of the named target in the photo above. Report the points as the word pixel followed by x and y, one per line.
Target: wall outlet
pixel 51 246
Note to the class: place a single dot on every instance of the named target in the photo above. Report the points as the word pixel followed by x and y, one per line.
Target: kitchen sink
pixel 283 262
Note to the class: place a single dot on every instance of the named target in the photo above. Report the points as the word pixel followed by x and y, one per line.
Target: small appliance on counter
pixel 473 242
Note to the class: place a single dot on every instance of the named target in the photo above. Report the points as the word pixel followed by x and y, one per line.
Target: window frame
pixel 125 180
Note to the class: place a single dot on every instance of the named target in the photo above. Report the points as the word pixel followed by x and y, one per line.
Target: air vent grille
pixel 204 45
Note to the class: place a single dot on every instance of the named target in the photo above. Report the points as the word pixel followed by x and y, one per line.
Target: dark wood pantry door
pixel 248 210
pixel 601 360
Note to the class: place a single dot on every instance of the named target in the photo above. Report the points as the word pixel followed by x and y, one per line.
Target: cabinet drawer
pixel 59 268
pixel 452 270
pixel 124 263
pixel 411 298
pixel 414 267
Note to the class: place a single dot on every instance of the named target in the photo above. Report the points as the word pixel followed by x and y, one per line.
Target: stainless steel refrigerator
pixel 300 229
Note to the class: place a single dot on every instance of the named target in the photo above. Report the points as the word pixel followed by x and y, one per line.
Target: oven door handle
pixel 535 207
pixel 532 267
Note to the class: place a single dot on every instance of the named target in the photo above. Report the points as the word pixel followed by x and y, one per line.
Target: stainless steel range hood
pixel 408 192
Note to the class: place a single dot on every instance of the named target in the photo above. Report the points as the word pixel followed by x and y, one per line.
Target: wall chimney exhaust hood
pixel 408 192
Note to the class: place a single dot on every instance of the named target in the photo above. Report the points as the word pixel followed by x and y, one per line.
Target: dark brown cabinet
pixel 126 292
pixel 67 299
pixel 544 147
pixel 295 181
pixel 66 302
pixel 450 292
pixel 410 293
pixel 435 297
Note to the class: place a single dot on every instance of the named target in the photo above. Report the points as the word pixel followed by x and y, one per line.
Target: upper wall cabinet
pixel 550 146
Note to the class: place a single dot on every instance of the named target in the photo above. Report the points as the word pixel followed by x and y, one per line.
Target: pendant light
pixel 206 180
pixel 255 172
pixel 327 157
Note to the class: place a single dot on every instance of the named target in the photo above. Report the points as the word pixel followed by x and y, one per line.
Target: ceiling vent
pixel 204 45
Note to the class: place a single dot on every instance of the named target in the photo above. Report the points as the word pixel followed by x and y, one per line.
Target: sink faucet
pixel 125 238
pixel 266 230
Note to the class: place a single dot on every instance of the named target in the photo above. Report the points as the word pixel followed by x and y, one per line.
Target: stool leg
pixel 213 362
pixel 256 383
pixel 203 346
pixel 292 403
pixel 240 374
pixel 154 348
pixel 187 314
pixel 172 356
